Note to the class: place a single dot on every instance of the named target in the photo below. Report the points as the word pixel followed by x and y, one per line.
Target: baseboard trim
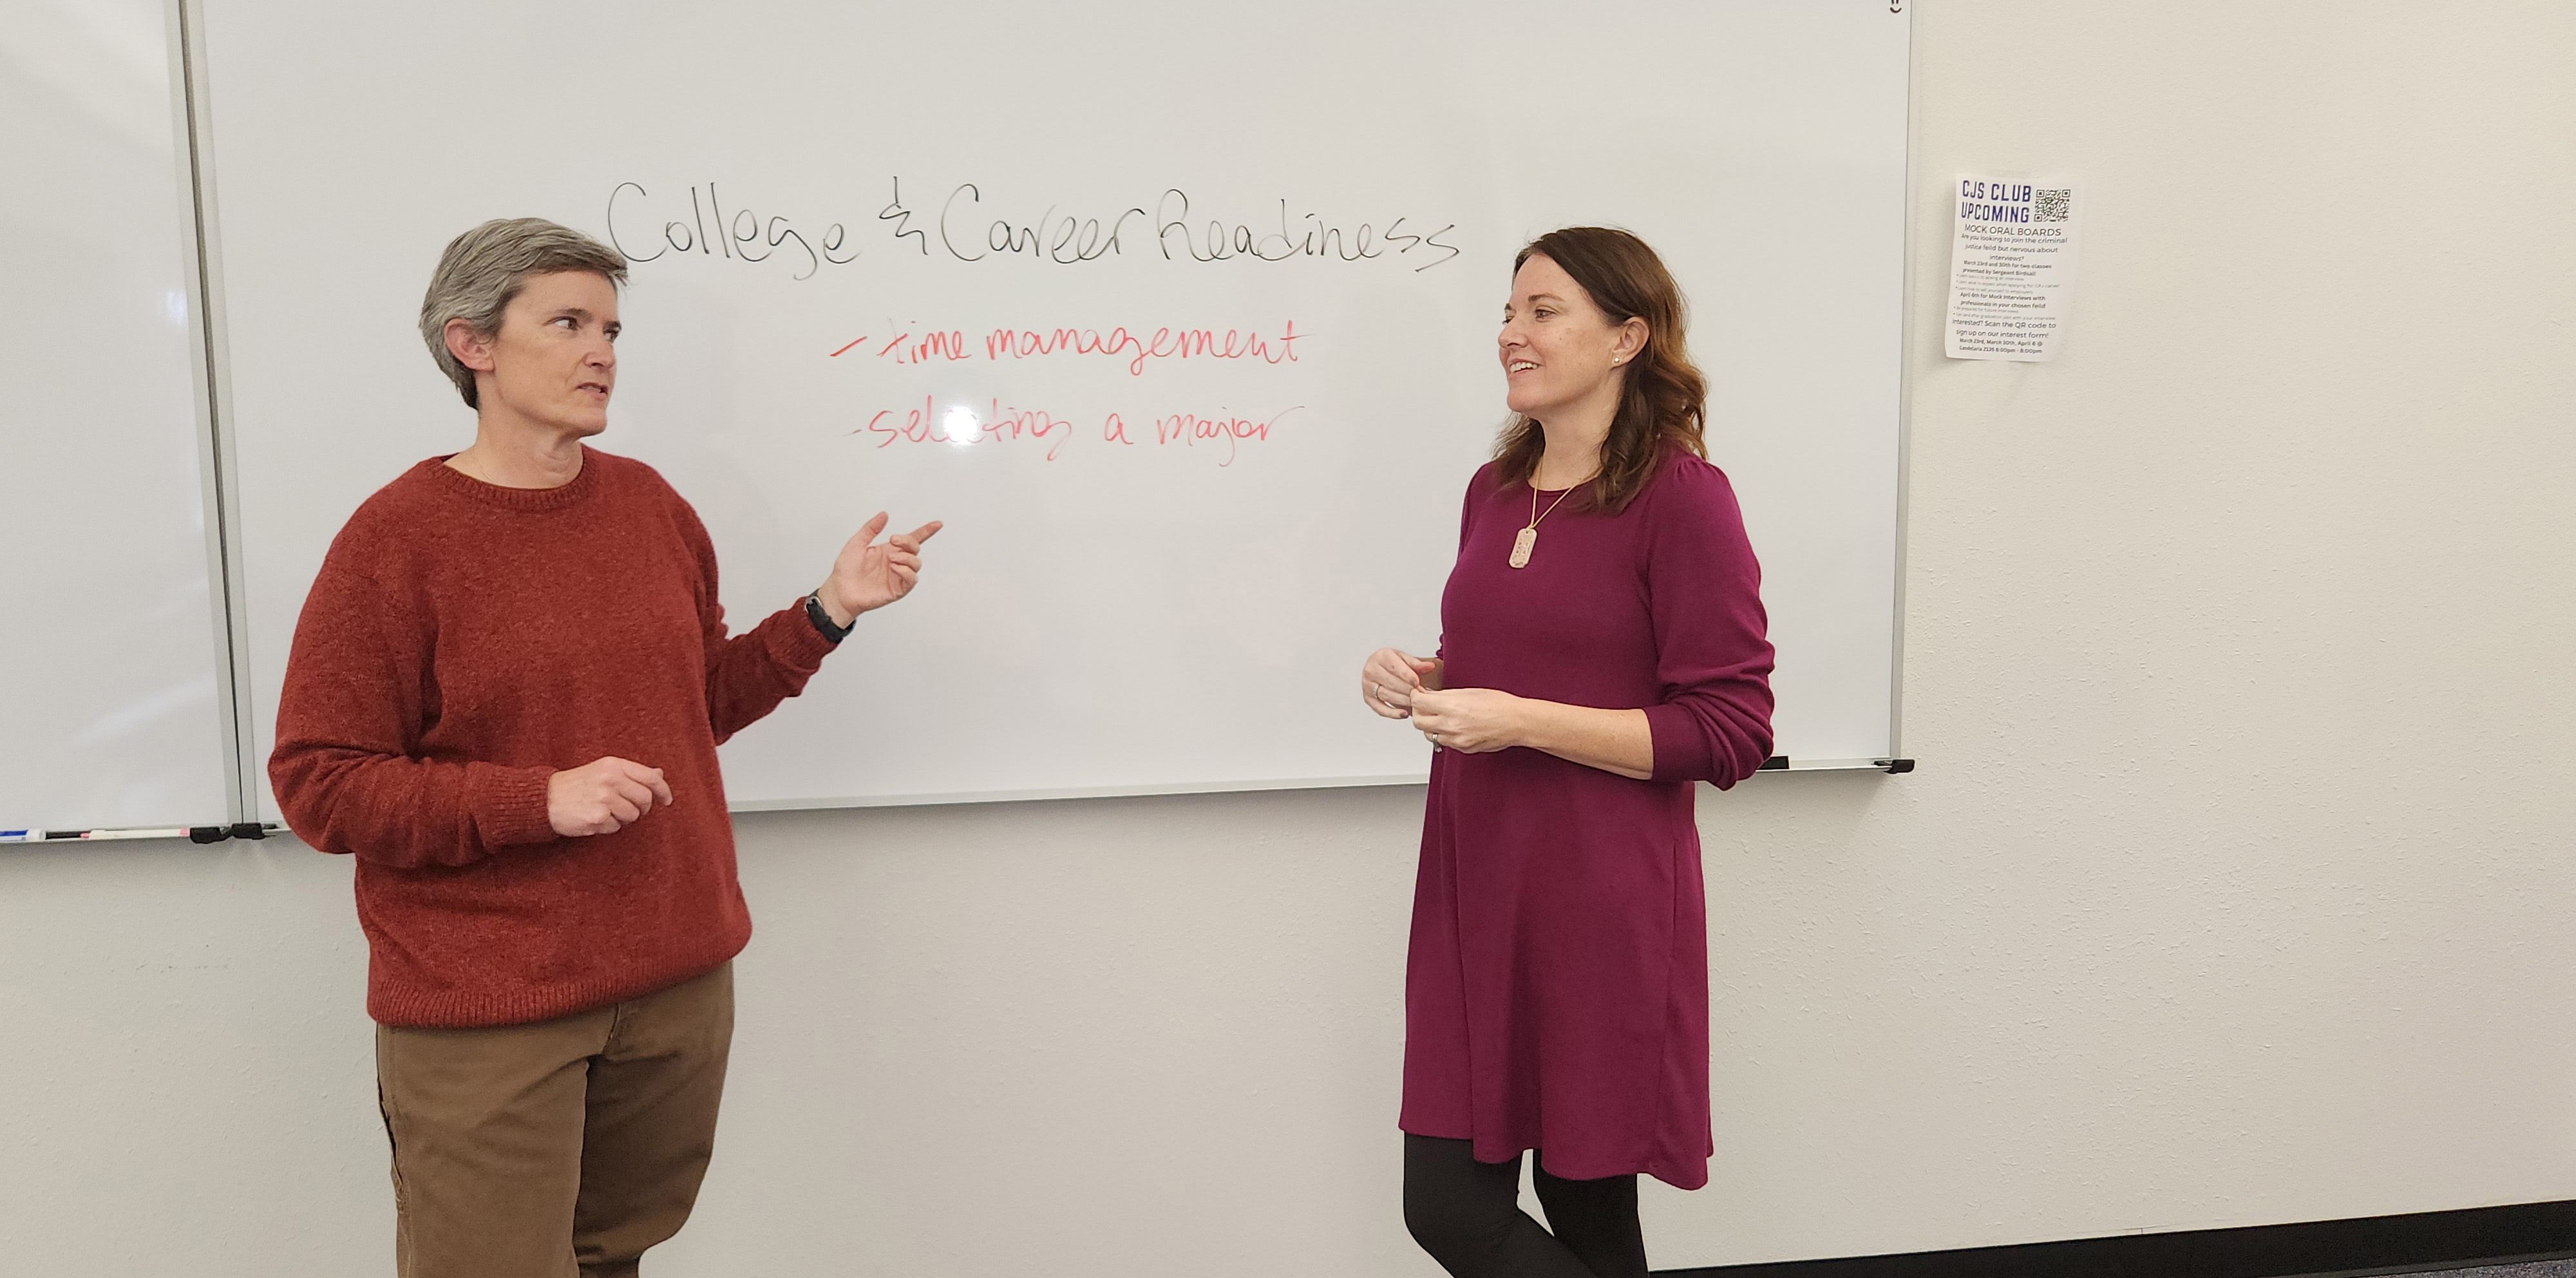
pixel 2310 1249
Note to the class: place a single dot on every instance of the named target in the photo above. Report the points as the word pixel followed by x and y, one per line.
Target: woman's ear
pixel 1632 341
pixel 470 348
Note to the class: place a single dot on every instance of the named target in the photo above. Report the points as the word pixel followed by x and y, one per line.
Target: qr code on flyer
pixel 2050 206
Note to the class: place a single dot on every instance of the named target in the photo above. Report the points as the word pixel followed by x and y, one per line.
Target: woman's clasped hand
pixel 1391 677
pixel 1398 685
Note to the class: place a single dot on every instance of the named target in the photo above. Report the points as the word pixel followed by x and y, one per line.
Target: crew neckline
pixel 558 497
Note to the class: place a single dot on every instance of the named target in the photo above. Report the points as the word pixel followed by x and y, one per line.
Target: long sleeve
pixel 750 673
pixel 1713 654
pixel 346 768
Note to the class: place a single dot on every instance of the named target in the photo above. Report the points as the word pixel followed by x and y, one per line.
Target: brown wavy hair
pixel 1663 399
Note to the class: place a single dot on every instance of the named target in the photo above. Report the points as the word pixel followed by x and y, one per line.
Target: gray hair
pixel 483 270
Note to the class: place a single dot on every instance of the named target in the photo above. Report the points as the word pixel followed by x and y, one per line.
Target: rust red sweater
pixel 461 644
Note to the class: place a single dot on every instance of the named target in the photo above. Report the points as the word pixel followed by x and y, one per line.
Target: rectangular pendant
pixel 1521 547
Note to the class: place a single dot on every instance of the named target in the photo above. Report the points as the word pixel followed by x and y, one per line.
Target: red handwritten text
pixel 962 425
pixel 1224 434
pixel 1191 429
pixel 1134 347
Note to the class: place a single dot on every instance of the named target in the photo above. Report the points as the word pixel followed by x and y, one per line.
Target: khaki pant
pixel 568 1146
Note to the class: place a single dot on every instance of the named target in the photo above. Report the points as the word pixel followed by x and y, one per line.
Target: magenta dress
pixel 1556 990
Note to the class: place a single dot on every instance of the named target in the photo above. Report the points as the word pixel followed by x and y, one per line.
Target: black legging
pixel 1467 1215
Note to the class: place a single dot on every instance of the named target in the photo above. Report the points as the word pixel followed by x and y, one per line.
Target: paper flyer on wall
pixel 2012 264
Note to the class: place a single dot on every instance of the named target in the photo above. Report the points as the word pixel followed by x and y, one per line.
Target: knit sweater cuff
pixel 802 647
pixel 1681 748
pixel 508 804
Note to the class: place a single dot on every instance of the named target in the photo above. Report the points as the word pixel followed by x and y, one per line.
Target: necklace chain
pixel 1527 541
pixel 1537 515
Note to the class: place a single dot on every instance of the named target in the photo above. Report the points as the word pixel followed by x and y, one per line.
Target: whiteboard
pixel 111 687
pixel 1161 570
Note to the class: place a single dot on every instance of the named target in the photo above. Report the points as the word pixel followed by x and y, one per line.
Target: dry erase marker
pixel 22 836
pixel 175 832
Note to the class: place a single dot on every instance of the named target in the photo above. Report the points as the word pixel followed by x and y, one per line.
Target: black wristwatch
pixel 823 620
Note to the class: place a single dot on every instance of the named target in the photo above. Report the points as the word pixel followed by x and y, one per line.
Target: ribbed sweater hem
pixel 407 1007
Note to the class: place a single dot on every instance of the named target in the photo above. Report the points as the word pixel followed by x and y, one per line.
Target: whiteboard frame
pixel 1186 787
pixel 1907 337
pixel 203 259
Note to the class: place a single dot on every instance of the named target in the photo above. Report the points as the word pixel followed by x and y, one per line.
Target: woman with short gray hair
pixel 503 702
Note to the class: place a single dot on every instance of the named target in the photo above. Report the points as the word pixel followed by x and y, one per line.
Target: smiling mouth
pixel 1519 366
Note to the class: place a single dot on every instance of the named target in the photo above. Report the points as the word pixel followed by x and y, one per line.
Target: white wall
pixel 2233 888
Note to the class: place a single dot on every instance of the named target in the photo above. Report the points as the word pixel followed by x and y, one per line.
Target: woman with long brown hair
pixel 1602 648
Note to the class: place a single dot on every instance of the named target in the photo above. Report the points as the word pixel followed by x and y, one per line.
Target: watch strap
pixel 823 620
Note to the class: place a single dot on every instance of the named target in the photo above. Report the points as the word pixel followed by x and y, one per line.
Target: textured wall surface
pixel 2233 889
